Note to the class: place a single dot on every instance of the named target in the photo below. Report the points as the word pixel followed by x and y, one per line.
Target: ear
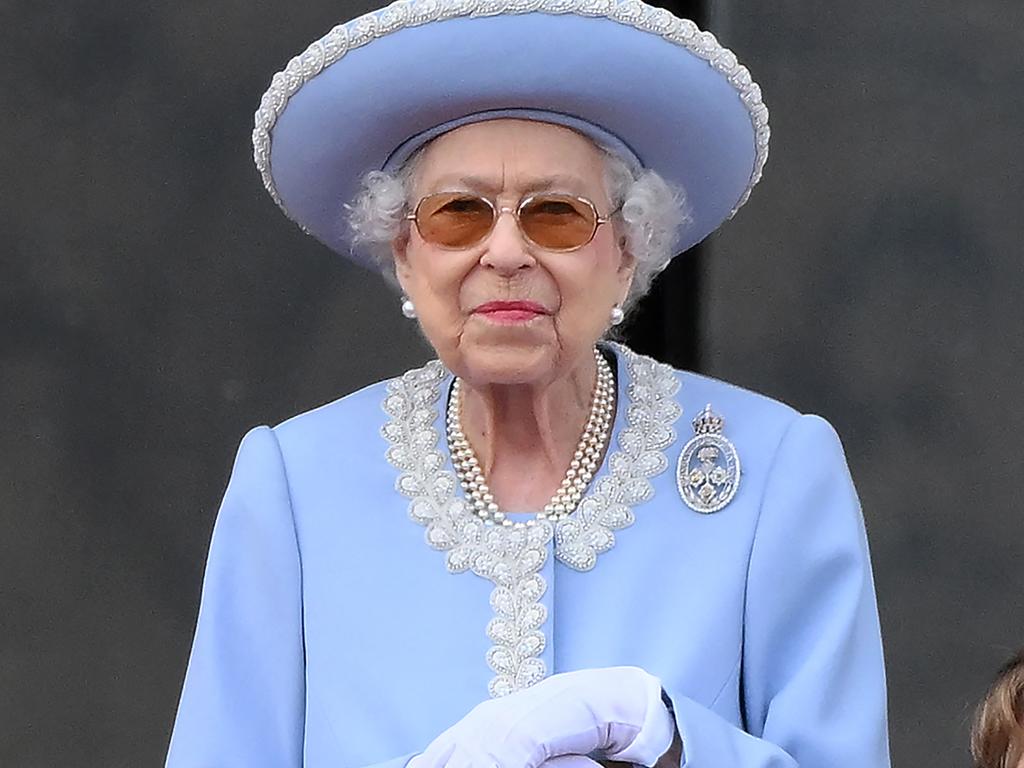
pixel 400 257
pixel 627 268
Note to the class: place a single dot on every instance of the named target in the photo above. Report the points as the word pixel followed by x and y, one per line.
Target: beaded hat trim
pixel 410 13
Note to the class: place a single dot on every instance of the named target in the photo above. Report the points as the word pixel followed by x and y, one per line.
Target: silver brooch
pixel 708 473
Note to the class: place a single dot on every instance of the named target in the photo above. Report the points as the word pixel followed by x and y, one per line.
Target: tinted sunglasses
pixel 550 221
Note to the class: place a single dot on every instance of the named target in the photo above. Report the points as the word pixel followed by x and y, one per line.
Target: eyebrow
pixel 490 186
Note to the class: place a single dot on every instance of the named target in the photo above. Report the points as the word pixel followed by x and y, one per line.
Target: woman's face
pixel 563 299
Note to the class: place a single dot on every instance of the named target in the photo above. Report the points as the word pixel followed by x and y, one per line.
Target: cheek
pixel 589 281
pixel 434 283
pixel 434 275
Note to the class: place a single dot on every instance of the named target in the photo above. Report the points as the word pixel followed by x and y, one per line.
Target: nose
pixel 505 250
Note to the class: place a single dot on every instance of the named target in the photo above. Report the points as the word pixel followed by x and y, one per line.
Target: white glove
pixel 616 712
pixel 571 761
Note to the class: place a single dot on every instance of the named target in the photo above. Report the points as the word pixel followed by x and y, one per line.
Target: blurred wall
pixel 876 279
pixel 154 306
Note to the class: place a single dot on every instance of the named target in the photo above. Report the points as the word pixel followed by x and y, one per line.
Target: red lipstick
pixel 511 312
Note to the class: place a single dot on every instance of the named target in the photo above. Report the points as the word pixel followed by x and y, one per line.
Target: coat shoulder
pixel 754 423
pixel 351 425
pixel 733 402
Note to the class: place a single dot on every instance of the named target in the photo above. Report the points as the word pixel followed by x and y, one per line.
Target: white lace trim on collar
pixel 512 558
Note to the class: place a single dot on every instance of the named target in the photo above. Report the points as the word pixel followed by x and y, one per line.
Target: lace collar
pixel 512 558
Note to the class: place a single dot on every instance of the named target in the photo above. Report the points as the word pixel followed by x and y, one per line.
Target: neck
pixel 524 435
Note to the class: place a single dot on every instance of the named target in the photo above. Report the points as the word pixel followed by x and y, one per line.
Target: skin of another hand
pixel 671 759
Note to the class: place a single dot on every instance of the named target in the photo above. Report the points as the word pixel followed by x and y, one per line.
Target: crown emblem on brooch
pixel 708 472
pixel 708 422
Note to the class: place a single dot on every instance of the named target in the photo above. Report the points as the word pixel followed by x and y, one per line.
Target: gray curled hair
pixel 649 214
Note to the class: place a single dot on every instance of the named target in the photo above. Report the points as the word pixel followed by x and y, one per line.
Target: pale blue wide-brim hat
pixel 648 85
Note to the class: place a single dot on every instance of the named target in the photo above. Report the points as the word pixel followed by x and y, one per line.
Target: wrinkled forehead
pixel 511 155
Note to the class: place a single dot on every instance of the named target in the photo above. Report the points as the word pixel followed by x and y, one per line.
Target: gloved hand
pixel 571 761
pixel 616 712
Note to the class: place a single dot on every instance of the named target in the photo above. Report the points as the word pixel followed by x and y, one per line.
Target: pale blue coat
pixel 331 635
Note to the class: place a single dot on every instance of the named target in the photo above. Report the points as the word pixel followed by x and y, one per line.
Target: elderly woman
pixel 542 548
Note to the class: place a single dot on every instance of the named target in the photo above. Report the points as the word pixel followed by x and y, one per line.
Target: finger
pixel 570 761
pixel 436 755
pixel 480 756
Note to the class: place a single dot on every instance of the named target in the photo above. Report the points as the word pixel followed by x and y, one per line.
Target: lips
pixel 511 311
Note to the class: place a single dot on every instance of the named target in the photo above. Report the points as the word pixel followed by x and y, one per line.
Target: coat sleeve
pixel 812 675
pixel 243 702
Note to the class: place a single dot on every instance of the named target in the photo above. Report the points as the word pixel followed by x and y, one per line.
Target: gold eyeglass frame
pixel 497 211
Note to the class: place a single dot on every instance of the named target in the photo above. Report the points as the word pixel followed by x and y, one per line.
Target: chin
pixel 485 364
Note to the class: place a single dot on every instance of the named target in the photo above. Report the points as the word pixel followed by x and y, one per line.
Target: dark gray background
pixel 154 305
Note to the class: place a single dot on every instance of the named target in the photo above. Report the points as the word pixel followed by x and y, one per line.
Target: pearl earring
pixel 408 308
pixel 617 315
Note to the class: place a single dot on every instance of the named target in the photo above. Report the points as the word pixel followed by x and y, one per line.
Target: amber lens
pixel 454 219
pixel 558 222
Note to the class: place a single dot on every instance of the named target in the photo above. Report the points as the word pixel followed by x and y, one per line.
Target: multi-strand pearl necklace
pixel 581 470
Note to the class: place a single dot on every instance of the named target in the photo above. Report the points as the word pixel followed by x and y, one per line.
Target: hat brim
pixel 669 92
